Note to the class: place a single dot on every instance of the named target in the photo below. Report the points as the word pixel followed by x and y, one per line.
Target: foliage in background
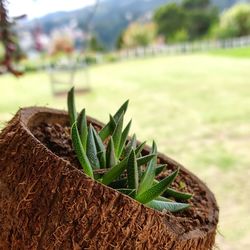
pixel 201 15
pixel 138 35
pixel 179 36
pixel 235 22
pixel 188 20
pixel 119 44
pixel 8 38
pixel 170 19
pixel 95 44
pixel 114 159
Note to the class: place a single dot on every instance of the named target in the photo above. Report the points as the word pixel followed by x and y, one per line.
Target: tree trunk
pixel 48 203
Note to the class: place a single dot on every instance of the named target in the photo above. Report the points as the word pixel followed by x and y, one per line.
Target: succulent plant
pixel 112 158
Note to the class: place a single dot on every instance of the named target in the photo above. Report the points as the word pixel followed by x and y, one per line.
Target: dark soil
pixel 57 139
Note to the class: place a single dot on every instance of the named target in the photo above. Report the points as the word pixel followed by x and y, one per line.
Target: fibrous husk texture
pixel 47 203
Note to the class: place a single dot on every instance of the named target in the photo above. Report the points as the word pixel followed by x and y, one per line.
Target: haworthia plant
pixel 109 127
pixel 132 171
pixel 82 127
pixel 114 172
pixel 170 206
pixel 81 154
pixel 71 106
pixel 156 190
pixel 91 149
pixel 114 159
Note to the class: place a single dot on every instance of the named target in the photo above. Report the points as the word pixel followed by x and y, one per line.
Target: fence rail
pixel 186 47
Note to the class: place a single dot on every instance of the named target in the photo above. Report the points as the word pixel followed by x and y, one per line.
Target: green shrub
pixel 235 22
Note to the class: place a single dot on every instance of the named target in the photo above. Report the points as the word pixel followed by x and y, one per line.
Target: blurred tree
pixel 170 18
pixel 95 45
pixel 201 15
pixel 119 42
pixel 193 17
pixel 139 35
pixel 199 22
pixel 235 21
pixel 9 42
pixel 179 36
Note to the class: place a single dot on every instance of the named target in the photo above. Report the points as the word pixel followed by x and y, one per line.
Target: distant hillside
pixel 111 17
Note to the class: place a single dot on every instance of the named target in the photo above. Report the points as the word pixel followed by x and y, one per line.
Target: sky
pixel 38 8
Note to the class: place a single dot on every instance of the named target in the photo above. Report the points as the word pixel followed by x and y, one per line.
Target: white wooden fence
pixel 186 47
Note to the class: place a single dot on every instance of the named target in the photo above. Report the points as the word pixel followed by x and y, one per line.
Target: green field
pixel 235 52
pixel 196 107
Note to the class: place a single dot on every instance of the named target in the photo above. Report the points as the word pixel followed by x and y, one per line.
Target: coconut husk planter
pixel 47 202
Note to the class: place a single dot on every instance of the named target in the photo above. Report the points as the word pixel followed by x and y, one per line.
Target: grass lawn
pixel 233 52
pixel 196 107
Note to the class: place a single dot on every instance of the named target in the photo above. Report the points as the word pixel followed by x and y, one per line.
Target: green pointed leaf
pixel 132 171
pixel 105 131
pixel 109 127
pixel 114 172
pixel 121 110
pixel 112 123
pixel 148 177
pixel 124 139
pixel 111 160
pixel 133 142
pixel 83 128
pixel 145 159
pixel 102 159
pixel 126 191
pixel 131 145
pixel 154 148
pixel 101 150
pixel 159 169
pixel 91 149
pixel 71 106
pixel 117 135
pixel 156 190
pixel 99 144
pixel 170 206
pixel 177 195
pixel 139 149
pixel 81 155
